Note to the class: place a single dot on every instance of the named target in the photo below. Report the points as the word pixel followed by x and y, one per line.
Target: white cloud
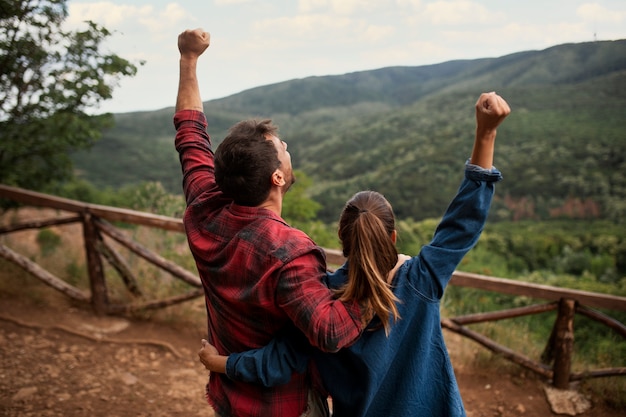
pixel 343 7
pixel 170 17
pixel 415 4
pixel 308 30
pixel 105 13
pixel 314 26
pixel 595 13
pixel 459 12
pixel 375 33
pixel 116 16
pixel 307 6
pixel 231 2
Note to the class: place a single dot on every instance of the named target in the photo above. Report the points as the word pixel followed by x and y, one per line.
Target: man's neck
pixel 274 201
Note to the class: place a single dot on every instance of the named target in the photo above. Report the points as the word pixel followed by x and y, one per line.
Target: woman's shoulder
pixel 402 258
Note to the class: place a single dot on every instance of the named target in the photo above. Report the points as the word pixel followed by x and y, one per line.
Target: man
pixel 258 273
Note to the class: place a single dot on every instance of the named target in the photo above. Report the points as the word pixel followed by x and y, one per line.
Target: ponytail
pixel 365 230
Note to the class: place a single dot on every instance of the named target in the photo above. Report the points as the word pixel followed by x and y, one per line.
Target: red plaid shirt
pixel 258 274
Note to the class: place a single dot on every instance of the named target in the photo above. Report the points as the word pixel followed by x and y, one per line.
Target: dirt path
pixel 64 361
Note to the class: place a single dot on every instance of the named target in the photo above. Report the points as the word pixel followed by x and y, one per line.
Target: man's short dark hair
pixel 245 162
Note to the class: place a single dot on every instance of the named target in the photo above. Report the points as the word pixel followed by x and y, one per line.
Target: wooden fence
pixel 554 364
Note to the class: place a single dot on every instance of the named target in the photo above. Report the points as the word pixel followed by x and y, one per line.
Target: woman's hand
pixel 211 358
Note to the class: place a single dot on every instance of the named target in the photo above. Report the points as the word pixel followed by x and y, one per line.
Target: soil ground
pixel 65 362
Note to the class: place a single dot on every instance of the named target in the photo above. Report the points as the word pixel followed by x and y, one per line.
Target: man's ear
pixel 278 178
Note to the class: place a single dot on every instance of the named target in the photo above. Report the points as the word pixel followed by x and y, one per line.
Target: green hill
pixel 406 131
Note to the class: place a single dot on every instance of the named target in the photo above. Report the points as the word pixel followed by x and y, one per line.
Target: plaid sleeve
pixel 196 157
pixel 327 323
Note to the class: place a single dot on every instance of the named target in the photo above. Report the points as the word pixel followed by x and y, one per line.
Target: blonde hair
pixel 366 226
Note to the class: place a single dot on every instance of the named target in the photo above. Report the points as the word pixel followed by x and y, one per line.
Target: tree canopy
pixel 50 78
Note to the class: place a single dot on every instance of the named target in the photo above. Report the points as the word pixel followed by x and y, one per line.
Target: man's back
pixel 241 253
pixel 240 272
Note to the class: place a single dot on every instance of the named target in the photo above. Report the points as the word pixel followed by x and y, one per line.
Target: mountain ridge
pixel 369 129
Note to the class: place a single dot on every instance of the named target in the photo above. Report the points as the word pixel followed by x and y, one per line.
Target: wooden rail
pixel 554 364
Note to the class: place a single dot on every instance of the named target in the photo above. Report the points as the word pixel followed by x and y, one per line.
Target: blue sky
pixel 255 43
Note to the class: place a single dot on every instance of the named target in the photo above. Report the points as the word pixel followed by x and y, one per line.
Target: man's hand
pixel 192 43
pixel 491 109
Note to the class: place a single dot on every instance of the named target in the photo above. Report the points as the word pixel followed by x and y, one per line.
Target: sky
pixel 256 43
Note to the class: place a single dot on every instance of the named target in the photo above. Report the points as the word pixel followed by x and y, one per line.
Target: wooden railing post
pixel 563 343
pixel 99 297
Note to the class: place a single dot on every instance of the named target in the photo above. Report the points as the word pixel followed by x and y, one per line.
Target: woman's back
pixel 392 375
pixel 409 370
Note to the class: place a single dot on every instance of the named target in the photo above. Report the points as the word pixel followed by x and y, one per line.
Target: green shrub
pixel 48 241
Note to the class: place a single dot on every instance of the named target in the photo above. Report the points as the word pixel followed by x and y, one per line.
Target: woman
pixel 400 365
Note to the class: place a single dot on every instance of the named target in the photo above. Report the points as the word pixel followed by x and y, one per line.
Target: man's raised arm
pixel 192 140
pixel 191 44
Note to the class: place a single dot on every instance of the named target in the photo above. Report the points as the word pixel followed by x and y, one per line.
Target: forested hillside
pixel 406 131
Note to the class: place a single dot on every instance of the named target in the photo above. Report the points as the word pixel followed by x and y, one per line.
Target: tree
pixel 297 206
pixel 50 77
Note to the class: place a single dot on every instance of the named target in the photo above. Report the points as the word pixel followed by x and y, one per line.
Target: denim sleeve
pixel 457 233
pixel 272 364
pixel 478 173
